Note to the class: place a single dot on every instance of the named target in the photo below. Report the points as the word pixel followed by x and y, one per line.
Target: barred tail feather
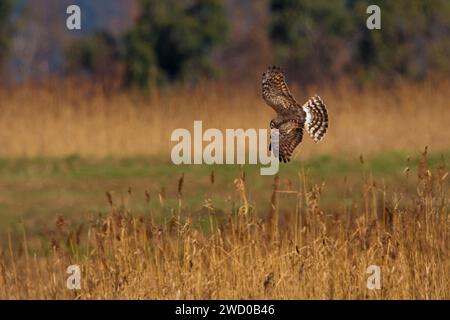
pixel 316 118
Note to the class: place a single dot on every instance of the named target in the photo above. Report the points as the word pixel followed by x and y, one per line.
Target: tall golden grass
pixel 301 253
pixel 73 118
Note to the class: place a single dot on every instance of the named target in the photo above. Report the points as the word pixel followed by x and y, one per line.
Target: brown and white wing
pixel 316 121
pixel 275 90
pixel 290 136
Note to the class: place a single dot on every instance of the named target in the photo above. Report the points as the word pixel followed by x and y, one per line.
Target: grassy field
pixel 41 189
pixel 86 179
pixel 65 119
pixel 236 240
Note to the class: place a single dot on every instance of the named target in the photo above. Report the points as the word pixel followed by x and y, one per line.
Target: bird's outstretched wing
pixel 290 135
pixel 275 90
pixel 316 122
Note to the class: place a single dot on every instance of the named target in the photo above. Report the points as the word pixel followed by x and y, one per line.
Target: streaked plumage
pixel 291 117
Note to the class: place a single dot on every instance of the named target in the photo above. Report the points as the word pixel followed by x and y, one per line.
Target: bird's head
pixel 272 124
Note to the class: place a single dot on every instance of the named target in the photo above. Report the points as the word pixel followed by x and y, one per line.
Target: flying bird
pixel 291 117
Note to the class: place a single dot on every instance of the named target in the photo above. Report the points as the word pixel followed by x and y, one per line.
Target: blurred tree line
pixel 314 40
pixel 171 40
pixel 5 29
pixel 323 39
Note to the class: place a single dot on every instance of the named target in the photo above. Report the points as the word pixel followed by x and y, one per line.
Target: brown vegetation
pixel 306 252
pixel 74 119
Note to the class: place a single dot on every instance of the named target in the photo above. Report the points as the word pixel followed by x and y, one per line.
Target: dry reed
pixel 69 118
pixel 239 253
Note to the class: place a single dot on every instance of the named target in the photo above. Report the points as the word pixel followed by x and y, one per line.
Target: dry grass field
pixel 300 253
pixel 216 233
pixel 73 118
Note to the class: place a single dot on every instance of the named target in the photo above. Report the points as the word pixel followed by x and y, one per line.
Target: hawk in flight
pixel 291 117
